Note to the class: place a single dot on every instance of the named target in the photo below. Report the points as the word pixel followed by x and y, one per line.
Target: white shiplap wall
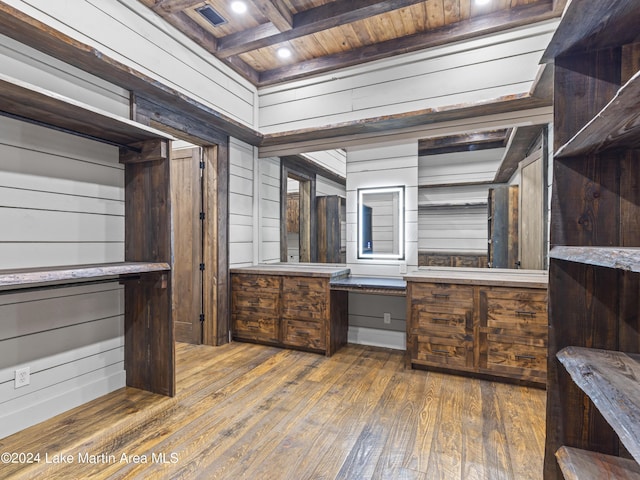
pixel 465 72
pixel 61 202
pixel 241 204
pixel 454 218
pixel 269 209
pixel 385 164
pixel 132 34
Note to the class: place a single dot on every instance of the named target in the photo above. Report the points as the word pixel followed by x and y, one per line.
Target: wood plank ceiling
pixel 324 35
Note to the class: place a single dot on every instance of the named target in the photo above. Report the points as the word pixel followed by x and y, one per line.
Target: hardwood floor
pixel 256 412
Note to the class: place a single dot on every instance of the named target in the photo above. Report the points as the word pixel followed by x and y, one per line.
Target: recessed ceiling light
pixel 284 52
pixel 482 2
pixel 239 7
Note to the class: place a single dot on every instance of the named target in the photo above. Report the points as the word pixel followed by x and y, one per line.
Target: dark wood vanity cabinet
pixel 490 322
pixel 289 306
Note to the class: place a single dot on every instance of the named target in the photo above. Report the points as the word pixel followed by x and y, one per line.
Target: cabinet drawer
pixel 452 320
pixel 304 298
pixel 304 287
pixel 517 359
pixel 255 327
pixel 443 351
pixel 307 334
pixel 441 296
pixel 261 283
pixel 517 309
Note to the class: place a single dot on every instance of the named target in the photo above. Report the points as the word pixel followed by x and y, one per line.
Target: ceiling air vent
pixel 213 17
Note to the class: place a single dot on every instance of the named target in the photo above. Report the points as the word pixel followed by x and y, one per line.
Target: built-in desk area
pixel 373 285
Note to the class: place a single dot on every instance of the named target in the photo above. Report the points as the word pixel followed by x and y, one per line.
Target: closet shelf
pixel 611 379
pixel 31 103
pixel 619 258
pixel 616 126
pixel 63 275
pixel 579 464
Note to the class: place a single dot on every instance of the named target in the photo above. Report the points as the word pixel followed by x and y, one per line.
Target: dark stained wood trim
pixel 172 6
pixel 387 123
pixel 312 168
pixel 521 140
pixel 306 23
pixel 462 143
pixel 32 32
pixel 180 124
pixel 222 243
pixel 464 30
pixel 149 151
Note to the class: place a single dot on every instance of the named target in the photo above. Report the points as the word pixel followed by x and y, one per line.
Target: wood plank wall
pixel 61 202
pixel 489 67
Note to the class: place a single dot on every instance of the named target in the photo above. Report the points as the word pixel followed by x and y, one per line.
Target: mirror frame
pixel 401 247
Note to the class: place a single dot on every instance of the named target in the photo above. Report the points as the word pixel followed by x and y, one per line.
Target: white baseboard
pixel 378 338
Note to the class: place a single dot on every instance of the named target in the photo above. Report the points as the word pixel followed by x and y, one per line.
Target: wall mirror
pixel 381 223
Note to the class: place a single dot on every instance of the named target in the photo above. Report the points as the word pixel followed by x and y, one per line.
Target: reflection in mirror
pixel 381 223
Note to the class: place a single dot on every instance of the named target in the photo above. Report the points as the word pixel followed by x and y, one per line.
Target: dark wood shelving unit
pixel 593 413
pixel 69 275
pixel 608 257
pixel 149 347
pixel 579 464
pixel 611 379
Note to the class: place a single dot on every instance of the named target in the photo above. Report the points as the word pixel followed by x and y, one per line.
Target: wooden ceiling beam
pixel 463 143
pixel 277 13
pixel 306 23
pixel 194 31
pixel 518 147
pixel 464 30
pixel 173 6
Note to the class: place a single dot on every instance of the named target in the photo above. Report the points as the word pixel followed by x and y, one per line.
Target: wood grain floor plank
pixel 256 412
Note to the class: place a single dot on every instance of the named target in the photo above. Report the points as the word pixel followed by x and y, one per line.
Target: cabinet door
pixel 255 307
pixel 515 324
pixel 305 312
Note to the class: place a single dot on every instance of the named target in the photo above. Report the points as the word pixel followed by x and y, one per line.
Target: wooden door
pixel 186 199
pixel 532 214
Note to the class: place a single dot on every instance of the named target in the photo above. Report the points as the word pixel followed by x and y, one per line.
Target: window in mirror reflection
pixel 381 223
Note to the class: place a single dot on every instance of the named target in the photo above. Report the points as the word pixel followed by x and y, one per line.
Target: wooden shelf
pixel 616 126
pixel 618 258
pixel 579 464
pixel 34 104
pixel 63 275
pixel 592 25
pixel 612 381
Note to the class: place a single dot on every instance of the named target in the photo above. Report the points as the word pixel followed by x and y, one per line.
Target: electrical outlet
pixel 387 318
pixel 403 268
pixel 22 377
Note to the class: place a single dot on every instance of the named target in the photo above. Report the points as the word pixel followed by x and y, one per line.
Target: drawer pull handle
pixel 526 357
pixel 436 350
pixel 524 313
pixel 440 320
pixel 440 295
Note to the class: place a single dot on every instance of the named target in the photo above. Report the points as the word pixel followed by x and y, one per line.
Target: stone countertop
pixel 481 276
pixel 322 270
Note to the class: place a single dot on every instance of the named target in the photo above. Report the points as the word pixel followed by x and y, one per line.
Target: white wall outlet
pixel 22 377
pixel 403 267
pixel 386 318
